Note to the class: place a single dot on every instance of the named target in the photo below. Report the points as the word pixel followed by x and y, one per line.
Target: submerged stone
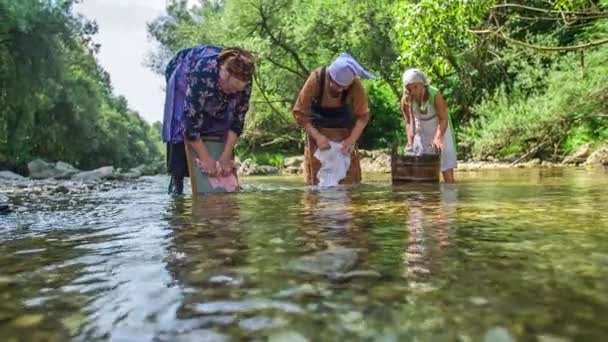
pixel 246 306
pixel 327 262
pixel 498 334
pixel 27 321
pixel 261 323
pixel 201 335
pixel 287 336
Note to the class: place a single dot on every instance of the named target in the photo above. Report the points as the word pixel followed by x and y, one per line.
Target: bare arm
pixel 442 116
pixel 361 110
pixel 229 146
pixel 357 130
pixel 199 148
pixel 405 108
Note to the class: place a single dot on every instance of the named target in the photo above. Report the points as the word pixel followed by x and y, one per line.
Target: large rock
pixel 10 176
pixel 65 170
pixel 40 169
pixel 293 170
pixel 376 161
pixel 106 172
pixel 250 168
pixel 579 156
pixel 297 162
pixel 5 206
pixel 266 170
pixel 599 157
pixel 246 166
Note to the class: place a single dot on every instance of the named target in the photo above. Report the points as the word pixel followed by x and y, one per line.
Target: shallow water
pixel 500 256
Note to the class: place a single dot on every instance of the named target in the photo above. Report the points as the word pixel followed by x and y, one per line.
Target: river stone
pixel 479 301
pixel 287 336
pixel 579 156
pixel 292 170
pixel 5 209
pixel 225 280
pixel 65 170
pixel 304 290
pixel 10 176
pixel 498 334
pixel 201 335
pixel 247 167
pixel 61 189
pixel 261 323
pixel 147 170
pixel 27 321
pixel 532 163
pixel 129 175
pixel 40 169
pixel 355 274
pixel 105 172
pixel 295 162
pixel 245 306
pixel 599 157
pixel 266 170
pixel 328 262
pixel 551 338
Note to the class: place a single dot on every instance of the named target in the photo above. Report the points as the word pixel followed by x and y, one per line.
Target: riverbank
pixel 371 161
pixel 380 161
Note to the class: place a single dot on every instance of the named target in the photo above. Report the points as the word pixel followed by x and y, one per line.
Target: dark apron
pixel 336 124
pixel 327 117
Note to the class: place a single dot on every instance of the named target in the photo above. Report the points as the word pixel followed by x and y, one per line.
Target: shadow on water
pixel 521 254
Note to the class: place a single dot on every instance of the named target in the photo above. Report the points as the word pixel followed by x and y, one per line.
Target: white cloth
pixel 334 165
pixel 416 149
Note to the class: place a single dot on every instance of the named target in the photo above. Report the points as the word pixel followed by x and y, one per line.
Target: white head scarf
pixel 345 68
pixel 414 75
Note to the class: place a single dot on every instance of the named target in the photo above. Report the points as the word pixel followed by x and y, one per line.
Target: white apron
pixel 425 127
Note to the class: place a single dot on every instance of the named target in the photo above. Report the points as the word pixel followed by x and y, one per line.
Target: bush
pixel 386 126
pixel 569 111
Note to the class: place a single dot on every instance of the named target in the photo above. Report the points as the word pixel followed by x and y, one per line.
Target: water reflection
pixel 430 225
pixel 206 238
pixel 333 217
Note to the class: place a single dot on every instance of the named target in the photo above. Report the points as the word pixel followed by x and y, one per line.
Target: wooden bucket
pixel 424 168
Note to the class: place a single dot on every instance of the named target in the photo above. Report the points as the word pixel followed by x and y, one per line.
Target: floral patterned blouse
pixel 208 110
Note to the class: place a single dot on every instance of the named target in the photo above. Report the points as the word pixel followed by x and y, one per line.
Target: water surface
pixel 519 254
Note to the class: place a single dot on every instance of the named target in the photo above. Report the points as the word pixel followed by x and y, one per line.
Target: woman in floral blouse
pixel 217 99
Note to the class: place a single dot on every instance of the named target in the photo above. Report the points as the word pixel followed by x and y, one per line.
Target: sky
pixel 124 46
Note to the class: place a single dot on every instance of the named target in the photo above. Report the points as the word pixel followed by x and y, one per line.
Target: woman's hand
pixel 226 166
pixel 348 145
pixel 438 143
pixel 207 165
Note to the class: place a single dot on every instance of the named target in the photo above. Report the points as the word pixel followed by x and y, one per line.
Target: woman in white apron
pixel 427 121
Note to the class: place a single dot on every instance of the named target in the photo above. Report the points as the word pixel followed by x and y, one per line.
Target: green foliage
pixel 570 111
pixel 290 39
pixel 502 97
pixel 267 158
pixel 386 126
pixel 55 101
